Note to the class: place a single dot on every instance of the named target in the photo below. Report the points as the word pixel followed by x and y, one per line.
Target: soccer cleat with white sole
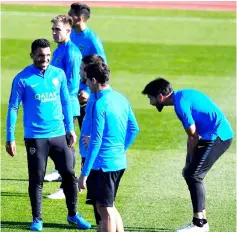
pixel 58 195
pixel 53 176
pixel 193 228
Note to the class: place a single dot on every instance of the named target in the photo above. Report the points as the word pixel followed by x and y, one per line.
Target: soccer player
pixel 209 136
pixel 42 89
pixel 87 122
pixel 88 43
pixel 67 57
pixel 85 39
pixel 114 129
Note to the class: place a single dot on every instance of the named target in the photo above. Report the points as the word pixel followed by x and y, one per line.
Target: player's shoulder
pixel 92 35
pixel 25 73
pixel 73 49
pixel 55 70
pixel 119 97
pixel 56 73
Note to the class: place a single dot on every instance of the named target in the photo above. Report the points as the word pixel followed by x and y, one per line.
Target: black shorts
pixel 102 187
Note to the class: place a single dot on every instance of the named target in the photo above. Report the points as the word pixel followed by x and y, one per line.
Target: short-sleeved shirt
pixel 194 107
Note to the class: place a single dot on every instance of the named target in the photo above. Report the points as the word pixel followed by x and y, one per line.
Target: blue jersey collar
pixel 39 72
pixel 103 92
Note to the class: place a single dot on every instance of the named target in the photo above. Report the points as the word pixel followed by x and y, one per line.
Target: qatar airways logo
pixel 46 97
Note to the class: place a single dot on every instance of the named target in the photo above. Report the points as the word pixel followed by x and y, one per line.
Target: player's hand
pixel 85 140
pixel 71 138
pixel 82 182
pixel 83 97
pixel 11 148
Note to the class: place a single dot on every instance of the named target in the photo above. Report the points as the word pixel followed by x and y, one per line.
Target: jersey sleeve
pixel 17 91
pixel 66 105
pixel 72 69
pixel 98 123
pixel 97 48
pixel 184 113
pixel 132 129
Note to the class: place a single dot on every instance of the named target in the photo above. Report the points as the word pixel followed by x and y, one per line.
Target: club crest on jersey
pixel 32 150
pixel 58 59
pixel 81 48
pixel 55 81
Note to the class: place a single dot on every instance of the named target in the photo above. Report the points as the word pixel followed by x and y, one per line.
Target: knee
pixel 37 179
pixel 68 175
pixel 105 212
pixel 191 177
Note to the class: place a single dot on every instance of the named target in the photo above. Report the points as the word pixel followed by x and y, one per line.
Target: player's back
pixel 116 109
pixel 208 117
pixel 88 43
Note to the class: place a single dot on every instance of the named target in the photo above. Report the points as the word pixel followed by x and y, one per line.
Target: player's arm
pixel 16 95
pixel 193 139
pixel 132 129
pixel 67 110
pixel 97 48
pixel 83 94
pixel 183 111
pixel 98 123
pixel 72 70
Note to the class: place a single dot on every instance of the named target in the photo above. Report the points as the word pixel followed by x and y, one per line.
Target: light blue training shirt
pixel 114 128
pixel 45 100
pixel 86 127
pixel 88 43
pixel 68 57
pixel 194 107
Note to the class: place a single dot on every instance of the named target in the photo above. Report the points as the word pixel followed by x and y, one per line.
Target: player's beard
pixel 159 107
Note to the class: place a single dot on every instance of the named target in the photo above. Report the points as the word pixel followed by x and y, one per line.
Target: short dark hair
pixel 65 19
pixel 81 9
pixel 39 43
pixel 98 70
pixel 91 59
pixel 158 86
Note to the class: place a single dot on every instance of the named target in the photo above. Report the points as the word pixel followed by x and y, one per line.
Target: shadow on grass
pixel 7 179
pixel 11 194
pixel 25 225
pixel 138 229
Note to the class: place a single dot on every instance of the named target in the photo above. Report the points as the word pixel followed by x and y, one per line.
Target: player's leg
pixel 37 155
pixel 206 154
pixel 59 193
pixel 91 184
pixel 63 159
pixel 106 192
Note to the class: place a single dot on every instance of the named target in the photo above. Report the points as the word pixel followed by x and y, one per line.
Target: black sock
pixel 72 214
pixel 198 222
pixel 204 221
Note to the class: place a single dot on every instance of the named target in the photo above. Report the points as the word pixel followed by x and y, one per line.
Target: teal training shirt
pixel 88 43
pixel 45 100
pixel 194 107
pixel 68 57
pixel 114 128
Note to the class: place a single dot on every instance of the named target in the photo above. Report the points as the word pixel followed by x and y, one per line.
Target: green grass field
pixel 190 48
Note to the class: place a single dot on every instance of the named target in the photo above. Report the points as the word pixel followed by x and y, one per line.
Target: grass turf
pixel 192 49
